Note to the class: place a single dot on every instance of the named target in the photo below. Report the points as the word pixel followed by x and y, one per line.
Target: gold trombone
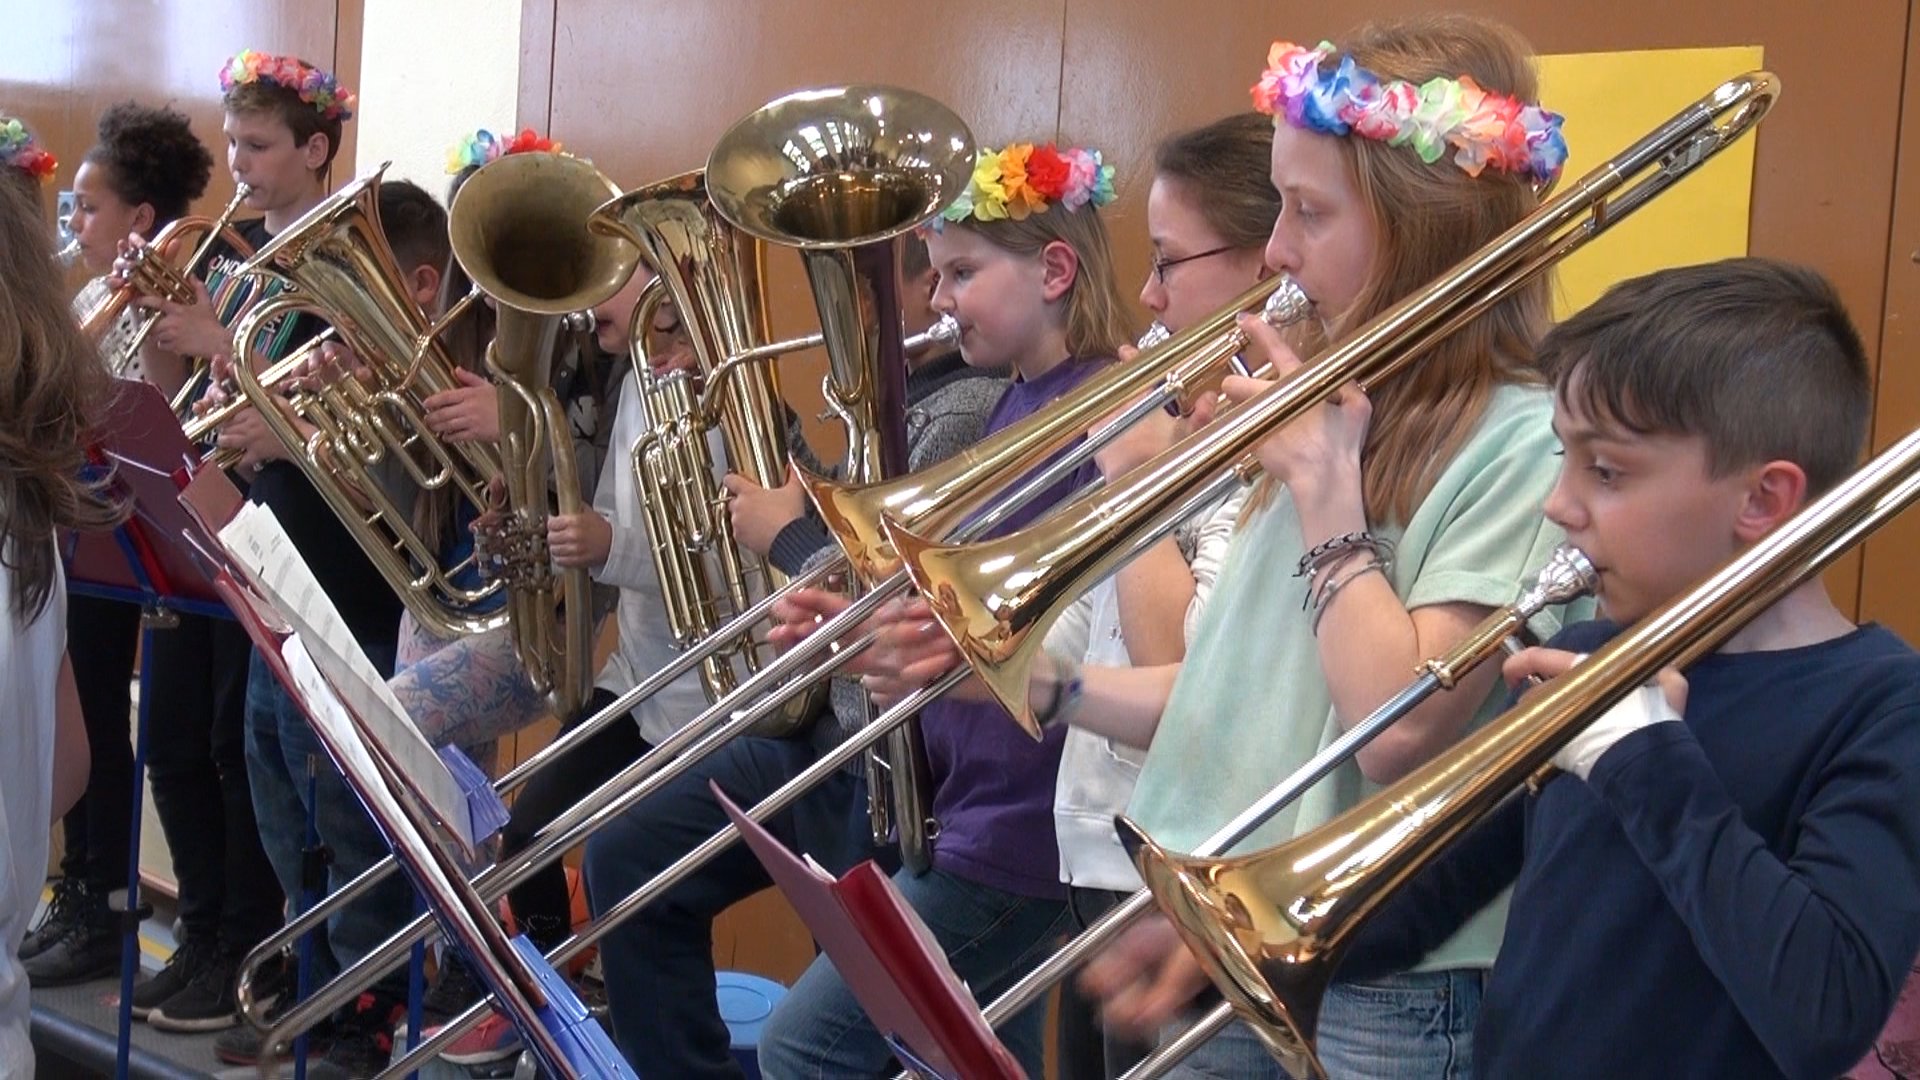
pixel 1271 926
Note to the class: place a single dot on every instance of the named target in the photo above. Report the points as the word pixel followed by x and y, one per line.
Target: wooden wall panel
pixel 66 60
pixel 1890 580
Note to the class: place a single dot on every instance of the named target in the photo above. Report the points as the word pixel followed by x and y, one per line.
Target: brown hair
pixel 1757 358
pixel 51 383
pixel 1428 218
pixel 1096 313
pixel 1223 167
pixel 301 118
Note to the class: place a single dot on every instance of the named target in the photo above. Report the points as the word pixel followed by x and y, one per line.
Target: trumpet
pixel 151 274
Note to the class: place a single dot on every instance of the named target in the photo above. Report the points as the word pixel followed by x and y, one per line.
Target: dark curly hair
pixel 152 156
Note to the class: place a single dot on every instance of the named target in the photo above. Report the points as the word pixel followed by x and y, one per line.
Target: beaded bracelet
pixel 1324 597
pixel 1326 551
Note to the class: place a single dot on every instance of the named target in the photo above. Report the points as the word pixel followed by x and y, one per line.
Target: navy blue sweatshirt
pixel 1736 896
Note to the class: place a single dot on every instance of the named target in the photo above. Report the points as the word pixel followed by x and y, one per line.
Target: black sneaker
pixel 454 991
pixel 244 1044
pixel 186 963
pixel 87 947
pixel 207 1003
pixel 63 911
pixel 362 1040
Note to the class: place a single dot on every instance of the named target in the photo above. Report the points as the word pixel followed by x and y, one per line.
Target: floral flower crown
pixel 1485 129
pixel 1025 179
pixel 484 146
pixel 19 151
pixel 315 87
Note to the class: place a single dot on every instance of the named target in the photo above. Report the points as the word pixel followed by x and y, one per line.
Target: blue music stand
pixel 146 561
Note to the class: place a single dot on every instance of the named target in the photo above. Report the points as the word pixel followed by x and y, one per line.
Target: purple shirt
pixel 993 785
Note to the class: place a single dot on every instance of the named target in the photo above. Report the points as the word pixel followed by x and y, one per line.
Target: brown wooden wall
pixel 66 60
pixel 644 87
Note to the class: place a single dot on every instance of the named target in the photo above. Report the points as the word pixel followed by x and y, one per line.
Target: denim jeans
pixel 1415 1026
pixel 279 743
pixel 659 963
pixel 990 937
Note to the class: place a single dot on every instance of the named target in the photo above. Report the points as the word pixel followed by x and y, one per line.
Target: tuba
pixel 518 229
pixel 341 270
pixel 845 175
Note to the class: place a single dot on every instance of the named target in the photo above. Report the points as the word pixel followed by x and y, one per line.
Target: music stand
pixel 147 561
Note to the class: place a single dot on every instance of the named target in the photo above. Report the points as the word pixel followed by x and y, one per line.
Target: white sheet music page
pixel 266 554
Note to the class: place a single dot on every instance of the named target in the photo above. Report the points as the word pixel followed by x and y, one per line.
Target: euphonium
pixel 153 274
pixel 342 271
pixel 1271 926
pixel 519 231
pixel 844 175
pixel 712 273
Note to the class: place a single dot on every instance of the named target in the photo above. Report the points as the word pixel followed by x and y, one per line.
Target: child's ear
pixel 1059 266
pixel 143 216
pixel 425 282
pixel 315 151
pixel 1775 492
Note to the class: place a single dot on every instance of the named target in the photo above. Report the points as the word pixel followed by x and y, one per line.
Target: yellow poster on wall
pixel 1609 101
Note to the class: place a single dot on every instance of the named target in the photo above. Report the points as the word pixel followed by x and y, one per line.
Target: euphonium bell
pixel 519 231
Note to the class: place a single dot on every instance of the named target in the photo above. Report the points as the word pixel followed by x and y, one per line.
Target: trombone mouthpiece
pixel 1287 305
pixel 944 334
pixel 1153 335
pixel 579 322
pixel 1566 577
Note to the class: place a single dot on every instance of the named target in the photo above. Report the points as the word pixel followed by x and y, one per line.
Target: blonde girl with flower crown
pixel 1024 266
pixel 1388 524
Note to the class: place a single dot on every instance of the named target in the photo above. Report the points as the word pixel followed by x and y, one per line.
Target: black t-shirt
pixel 365 601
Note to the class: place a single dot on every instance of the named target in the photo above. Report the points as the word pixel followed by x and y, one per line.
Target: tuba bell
pixel 519 231
pixel 846 174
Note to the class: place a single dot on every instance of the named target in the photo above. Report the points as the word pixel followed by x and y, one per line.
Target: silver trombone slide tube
pixel 779 800
pixel 1043 478
pixel 1174 1051
pixel 448 896
pixel 316 915
pixel 1566 576
pixel 787 664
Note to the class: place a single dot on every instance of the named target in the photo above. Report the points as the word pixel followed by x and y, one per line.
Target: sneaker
pixel 186 963
pixel 362 1040
pixel 246 1044
pixel 63 911
pixel 207 1003
pixel 492 1039
pixel 455 990
pixel 87 946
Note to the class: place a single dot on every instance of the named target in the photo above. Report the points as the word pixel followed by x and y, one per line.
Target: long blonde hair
pixel 1428 218
pixel 52 386
pixel 1096 322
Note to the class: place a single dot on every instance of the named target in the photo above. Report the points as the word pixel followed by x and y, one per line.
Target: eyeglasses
pixel 1161 266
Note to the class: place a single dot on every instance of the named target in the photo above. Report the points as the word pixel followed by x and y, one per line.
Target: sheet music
pixel 323 705
pixel 267 555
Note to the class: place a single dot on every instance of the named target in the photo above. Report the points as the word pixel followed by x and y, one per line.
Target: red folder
pixel 888 958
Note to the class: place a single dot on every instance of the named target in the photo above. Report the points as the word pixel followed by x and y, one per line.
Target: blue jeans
pixel 1415 1026
pixel 279 742
pixel 990 937
pixel 659 963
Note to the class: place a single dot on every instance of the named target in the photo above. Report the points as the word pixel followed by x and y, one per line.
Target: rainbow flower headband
pixel 315 87
pixel 484 146
pixel 19 151
pixel 1025 179
pixel 1485 129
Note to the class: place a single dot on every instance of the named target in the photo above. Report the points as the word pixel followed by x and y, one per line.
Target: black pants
pixel 197 766
pixel 540 904
pixel 102 636
pixel 1087 1050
